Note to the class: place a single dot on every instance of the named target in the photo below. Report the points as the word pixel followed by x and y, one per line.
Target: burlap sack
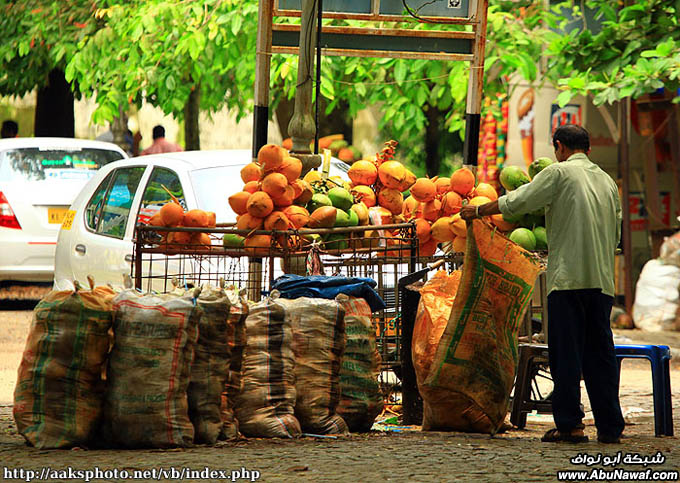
pixel 470 380
pixel 238 312
pixel 361 399
pixel 432 316
pixel 318 344
pixel 210 368
pixel 265 406
pixel 149 370
pixel 59 392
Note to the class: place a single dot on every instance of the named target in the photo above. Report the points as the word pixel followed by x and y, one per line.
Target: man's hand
pixel 468 212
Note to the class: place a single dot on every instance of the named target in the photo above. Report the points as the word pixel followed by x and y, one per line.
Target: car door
pixel 103 246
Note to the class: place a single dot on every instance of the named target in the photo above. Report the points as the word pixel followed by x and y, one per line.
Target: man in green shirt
pixel 583 227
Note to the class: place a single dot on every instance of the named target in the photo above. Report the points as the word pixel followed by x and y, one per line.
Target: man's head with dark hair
pixel 10 129
pixel 158 132
pixel 573 137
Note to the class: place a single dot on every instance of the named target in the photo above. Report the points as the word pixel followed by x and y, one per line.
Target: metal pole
pixel 262 67
pixel 318 75
pixel 624 159
pixel 475 84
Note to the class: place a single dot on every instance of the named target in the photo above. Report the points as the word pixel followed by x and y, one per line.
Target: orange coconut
pixel 201 240
pixel 297 187
pixel 431 210
pixel 462 181
pixel 391 199
pixel 172 214
pixel 451 203
pixel 212 219
pixel 291 168
pixel 252 186
pixel 287 143
pixel 248 222
pixel 306 192
pixel 441 229
pixel 423 230
pixel 408 181
pixel 274 184
pixel 458 226
pixel 392 174
pixel 428 248
pixel 180 238
pixel 485 189
pixel 251 172
pixel 410 208
pixel 195 218
pixel 364 194
pixel 155 220
pixel 271 157
pixel 443 185
pixel 276 221
pixel 363 172
pixel 297 215
pixel 239 201
pixel 286 199
pixel 459 244
pixel 479 201
pixel 424 190
pixel 260 204
pixel 501 223
pixel 323 217
pixel 258 244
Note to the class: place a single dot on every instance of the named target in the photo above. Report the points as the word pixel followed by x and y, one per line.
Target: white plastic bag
pixel 656 297
pixel 670 250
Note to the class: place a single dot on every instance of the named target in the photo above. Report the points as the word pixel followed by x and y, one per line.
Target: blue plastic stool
pixel 659 356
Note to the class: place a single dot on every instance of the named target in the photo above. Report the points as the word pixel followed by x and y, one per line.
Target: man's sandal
pixel 556 436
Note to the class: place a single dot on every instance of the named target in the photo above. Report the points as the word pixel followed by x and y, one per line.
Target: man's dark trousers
pixel 580 341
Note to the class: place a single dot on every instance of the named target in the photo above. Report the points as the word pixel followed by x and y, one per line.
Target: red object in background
pixel 639 218
pixel 7 217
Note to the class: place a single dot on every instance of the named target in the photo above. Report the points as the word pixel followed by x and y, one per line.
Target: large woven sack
pixel 149 369
pixel 469 382
pixel 238 312
pixel 210 368
pixel 318 344
pixel 361 400
pixel 59 392
pixel 432 316
pixel 266 403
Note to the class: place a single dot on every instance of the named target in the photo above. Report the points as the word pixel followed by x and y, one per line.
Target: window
pixel 35 164
pixel 93 210
pixel 162 183
pixel 111 218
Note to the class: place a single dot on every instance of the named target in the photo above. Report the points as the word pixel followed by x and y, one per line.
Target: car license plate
pixel 68 220
pixel 56 215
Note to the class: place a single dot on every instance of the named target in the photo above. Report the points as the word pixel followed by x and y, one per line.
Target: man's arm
pixel 469 212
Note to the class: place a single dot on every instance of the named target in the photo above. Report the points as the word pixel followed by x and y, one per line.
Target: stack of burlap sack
pixel 125 369
pixel 657 295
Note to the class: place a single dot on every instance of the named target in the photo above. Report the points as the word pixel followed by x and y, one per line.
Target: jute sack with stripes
pixel 265 406
pixel 149 369
pixel 59 392
pixel 361 399
pixel 210 368
pixel 318 344
pixel 238 311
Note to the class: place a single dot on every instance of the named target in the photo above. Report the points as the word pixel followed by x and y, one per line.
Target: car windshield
pixel 36 164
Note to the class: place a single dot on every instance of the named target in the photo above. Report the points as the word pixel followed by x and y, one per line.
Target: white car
pixel 39 179
pixel 96 236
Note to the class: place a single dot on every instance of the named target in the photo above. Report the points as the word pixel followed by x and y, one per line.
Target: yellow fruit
pixel 364 194
pixel 392 174
pixel 441 229
pixel 458 226
pixel 363 173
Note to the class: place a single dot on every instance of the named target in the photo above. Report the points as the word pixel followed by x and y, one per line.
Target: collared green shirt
pixel 582 222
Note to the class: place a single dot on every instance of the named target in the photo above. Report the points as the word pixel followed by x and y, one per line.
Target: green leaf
pixel 327 90
pixel 170 83
pixel 563 98
pixel 400 71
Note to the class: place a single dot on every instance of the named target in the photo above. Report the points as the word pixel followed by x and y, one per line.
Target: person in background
pixel 160 144
pixel 583 224
pixel 10 129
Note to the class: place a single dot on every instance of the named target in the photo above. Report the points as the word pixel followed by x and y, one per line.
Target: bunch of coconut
pixel 435 204
pixel 528 230
pixel 172 215
pixel 273 199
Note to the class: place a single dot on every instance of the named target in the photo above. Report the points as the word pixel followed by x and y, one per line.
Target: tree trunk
pixel 191 129
pixel 432 139
pixel 54 108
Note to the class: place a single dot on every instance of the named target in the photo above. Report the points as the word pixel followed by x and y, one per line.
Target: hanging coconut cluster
pixel 172 215
pixel 337 145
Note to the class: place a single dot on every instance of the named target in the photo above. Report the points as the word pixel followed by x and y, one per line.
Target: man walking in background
pixel 10 129
pixel 583 226
pixel 160 144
